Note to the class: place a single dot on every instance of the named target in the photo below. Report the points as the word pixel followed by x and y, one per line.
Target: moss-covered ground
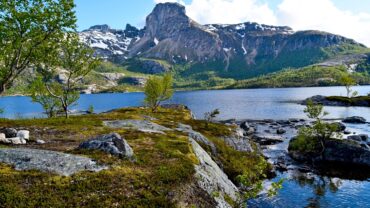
pixel 161 176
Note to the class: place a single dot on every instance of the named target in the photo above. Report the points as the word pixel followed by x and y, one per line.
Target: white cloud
pixel 227 11
pixel 298 14
pixel 324 15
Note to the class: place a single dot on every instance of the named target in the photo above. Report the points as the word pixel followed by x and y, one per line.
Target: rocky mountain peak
pixel 103 28
pixel 167 18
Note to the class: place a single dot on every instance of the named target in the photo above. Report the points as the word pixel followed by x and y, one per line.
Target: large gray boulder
pixel 112 143
pixel 197 136
pixel 140 125
pixel 47 161
pixel 212 179
pixel 9 132
pixel 238 141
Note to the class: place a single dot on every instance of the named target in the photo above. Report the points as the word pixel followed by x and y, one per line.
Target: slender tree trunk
pixel 65 108
pixel 2 88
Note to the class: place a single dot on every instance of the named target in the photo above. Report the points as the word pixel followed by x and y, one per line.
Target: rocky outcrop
pixel 355 120
pixel 47 161
pixel 238 141
pixel 363 101
pixel 137 81
pixel 140 125
pixel 267 139
pixel 197 136
pixel 112 143
pixel 212 179
pixel 337 151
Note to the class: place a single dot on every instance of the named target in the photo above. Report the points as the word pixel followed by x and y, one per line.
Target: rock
pixel 112 143
pixel 3 139
pixel 337 151
pixel 140 125
pixel 23 134
pixel 237 141
pixel 355 138
pixel 17 140
pixel 197 136
pixel 340 126
pixel 47 161
pixel 364 137
pixel 40 141
pixel 245 125
pixel 355 120
pixel 346 132
pixel 280 131
pixel 294 120
pixel 212 179
pixel 137 81
pixel 267 139
pixel 9 132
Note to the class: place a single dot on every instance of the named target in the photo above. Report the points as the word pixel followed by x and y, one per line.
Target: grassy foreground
pixel 162 176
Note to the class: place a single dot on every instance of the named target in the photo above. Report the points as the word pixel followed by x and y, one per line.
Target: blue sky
pixel 345 17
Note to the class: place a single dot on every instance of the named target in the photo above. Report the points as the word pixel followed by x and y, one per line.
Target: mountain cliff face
pixel 238 50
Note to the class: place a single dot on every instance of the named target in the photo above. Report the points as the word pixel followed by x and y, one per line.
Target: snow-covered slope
pixel 108 42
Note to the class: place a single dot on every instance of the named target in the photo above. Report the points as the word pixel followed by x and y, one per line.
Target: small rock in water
pixel 23 134
pixel 355 120
pixel 347 132
pixel 281 131
pixel 9 132
pixel 364 137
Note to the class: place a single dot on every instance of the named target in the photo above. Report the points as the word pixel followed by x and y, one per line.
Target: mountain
pixel 237 51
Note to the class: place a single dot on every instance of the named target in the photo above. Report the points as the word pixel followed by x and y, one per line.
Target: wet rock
pixel 245 125
pixel 140 125
pixel 280 131
pixel 337 151
pixel 355 138
pixel 359 138
pixel 3 139
pixel 17 140
pixel 112 143
pixel 47 161
pixel 267 139
pixel 283 122
pixel 355 120
pixel 9 132
pixel 346 132
pixel 294 120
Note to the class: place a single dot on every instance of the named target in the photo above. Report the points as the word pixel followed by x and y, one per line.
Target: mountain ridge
pixel 232 50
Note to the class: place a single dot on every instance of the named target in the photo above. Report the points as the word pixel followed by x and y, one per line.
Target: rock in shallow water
pixel 23 134
pixel 355 120
pixel 110 143
pixel 267 139
pixel 47 161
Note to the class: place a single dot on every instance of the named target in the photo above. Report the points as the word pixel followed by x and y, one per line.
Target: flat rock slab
pixel 140 125
pixel 267 139
pixel 47 161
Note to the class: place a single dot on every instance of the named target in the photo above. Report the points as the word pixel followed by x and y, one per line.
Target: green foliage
pixel 90 110
pixel 210 116
pixel 312 139
pixel 77 60
pixel 302 77
pixel 157 90
pixel 30 29
pixel 275 187
pixel 41 95
pixel 348 82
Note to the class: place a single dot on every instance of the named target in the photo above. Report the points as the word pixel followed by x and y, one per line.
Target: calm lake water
pixel 299 189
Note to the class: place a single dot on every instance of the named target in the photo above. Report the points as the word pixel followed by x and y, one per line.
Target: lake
pixel 299 189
